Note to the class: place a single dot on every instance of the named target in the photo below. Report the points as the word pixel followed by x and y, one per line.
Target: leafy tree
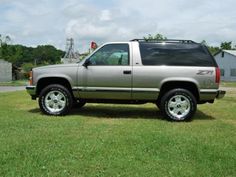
pixel 7 39
pixel 4 40
pixel 204 42
pixel 19 54
pixel 226 45
pixel 47 54
pixel 0 40
pixel 155 37
pixel 213 50
pixel 27 67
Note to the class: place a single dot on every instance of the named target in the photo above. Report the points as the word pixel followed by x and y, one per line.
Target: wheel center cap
pixel 178 106
pixel 55 101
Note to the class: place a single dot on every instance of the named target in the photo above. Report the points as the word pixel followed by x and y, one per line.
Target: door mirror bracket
pixel 86 63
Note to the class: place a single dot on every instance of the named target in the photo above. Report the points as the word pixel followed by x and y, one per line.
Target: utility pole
pixel 70 55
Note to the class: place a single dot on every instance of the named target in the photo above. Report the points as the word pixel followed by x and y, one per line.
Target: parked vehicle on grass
pixel 176 75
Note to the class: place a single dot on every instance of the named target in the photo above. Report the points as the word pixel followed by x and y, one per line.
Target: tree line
pixel 27 57
pixel 227 45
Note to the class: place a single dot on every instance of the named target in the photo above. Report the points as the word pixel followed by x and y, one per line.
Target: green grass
pixel 115 140
pixel 228 84
pixel 14 83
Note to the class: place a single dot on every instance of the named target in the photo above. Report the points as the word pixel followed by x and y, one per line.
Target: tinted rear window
pixel 175 54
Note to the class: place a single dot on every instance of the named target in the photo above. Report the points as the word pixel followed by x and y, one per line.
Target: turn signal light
pixel 31 78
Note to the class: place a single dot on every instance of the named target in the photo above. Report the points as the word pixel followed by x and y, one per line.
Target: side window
pixel 175 54
pixel 233 72
pixel 111 54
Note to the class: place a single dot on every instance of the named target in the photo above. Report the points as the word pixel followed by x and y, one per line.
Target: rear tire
pixel 178 105
pixel 55 100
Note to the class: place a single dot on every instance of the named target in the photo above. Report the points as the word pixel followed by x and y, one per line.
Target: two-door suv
pixel 176 75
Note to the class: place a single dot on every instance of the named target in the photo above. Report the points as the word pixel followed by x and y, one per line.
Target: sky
pixel 42 22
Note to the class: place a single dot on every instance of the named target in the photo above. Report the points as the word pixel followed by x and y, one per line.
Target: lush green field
pixel 228 84
pixel 115 140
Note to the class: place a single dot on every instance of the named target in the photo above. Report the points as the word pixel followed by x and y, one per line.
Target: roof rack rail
pixel 165 40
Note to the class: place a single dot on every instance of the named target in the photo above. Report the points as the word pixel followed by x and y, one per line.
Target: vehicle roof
pixel 181 41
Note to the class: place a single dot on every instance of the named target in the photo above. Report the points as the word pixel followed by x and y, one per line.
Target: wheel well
pixel 179 84
pixel 42 83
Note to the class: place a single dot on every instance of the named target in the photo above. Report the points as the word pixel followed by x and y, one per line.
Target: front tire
pixel 178 105
pixel 55 100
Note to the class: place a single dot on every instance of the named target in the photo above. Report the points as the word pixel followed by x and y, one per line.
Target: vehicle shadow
pixel 123 112
pixel 202 116
pixel 118 112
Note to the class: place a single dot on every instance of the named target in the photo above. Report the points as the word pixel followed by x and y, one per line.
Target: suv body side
pixel 144 82
pixel 124 71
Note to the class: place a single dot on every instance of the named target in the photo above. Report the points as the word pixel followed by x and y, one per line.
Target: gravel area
pixel 228 89
pixel 11 88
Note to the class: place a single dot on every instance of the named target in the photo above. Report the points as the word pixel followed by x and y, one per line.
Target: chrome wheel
pixel 179 106
pixel 55 101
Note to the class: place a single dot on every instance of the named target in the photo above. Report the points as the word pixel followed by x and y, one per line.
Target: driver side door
pixel 108 74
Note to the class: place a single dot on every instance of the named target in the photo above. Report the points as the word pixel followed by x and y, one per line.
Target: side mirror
pixel 86 63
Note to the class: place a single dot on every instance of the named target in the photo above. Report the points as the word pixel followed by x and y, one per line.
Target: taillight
pixel 31 78
pixel 217 75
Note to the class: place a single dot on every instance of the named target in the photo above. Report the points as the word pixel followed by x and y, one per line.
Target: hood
pixel 57 66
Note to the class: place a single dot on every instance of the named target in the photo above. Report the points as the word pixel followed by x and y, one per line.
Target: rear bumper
pixel 220 94
pixel 31 90
pixel 211 94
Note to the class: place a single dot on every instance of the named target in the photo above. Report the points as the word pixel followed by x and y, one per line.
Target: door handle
pixel 127 72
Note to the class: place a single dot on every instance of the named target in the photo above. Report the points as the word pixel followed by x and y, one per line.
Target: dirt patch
pixel 230 91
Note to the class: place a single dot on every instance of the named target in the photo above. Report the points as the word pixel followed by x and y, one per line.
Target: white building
pixel 226 60
pixel 5 71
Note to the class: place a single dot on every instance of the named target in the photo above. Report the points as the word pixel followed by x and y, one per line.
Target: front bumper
pixel 220 94
pixel 31 90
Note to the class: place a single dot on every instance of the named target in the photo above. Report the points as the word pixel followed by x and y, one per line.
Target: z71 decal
pixel 205 72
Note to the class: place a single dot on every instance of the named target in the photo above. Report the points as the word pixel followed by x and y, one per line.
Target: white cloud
pixel 43 21
pixel 105 15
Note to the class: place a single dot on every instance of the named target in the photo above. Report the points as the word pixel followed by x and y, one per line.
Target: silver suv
pixel 176 75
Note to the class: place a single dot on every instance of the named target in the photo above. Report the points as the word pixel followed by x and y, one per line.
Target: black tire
pixel 78 103
pixel 158 104
pixel 176 101
pixel 64 92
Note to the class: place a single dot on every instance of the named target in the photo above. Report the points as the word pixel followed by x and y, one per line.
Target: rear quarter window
pixel 175 54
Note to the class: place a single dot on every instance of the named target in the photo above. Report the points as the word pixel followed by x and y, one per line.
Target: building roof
pixel 232 52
